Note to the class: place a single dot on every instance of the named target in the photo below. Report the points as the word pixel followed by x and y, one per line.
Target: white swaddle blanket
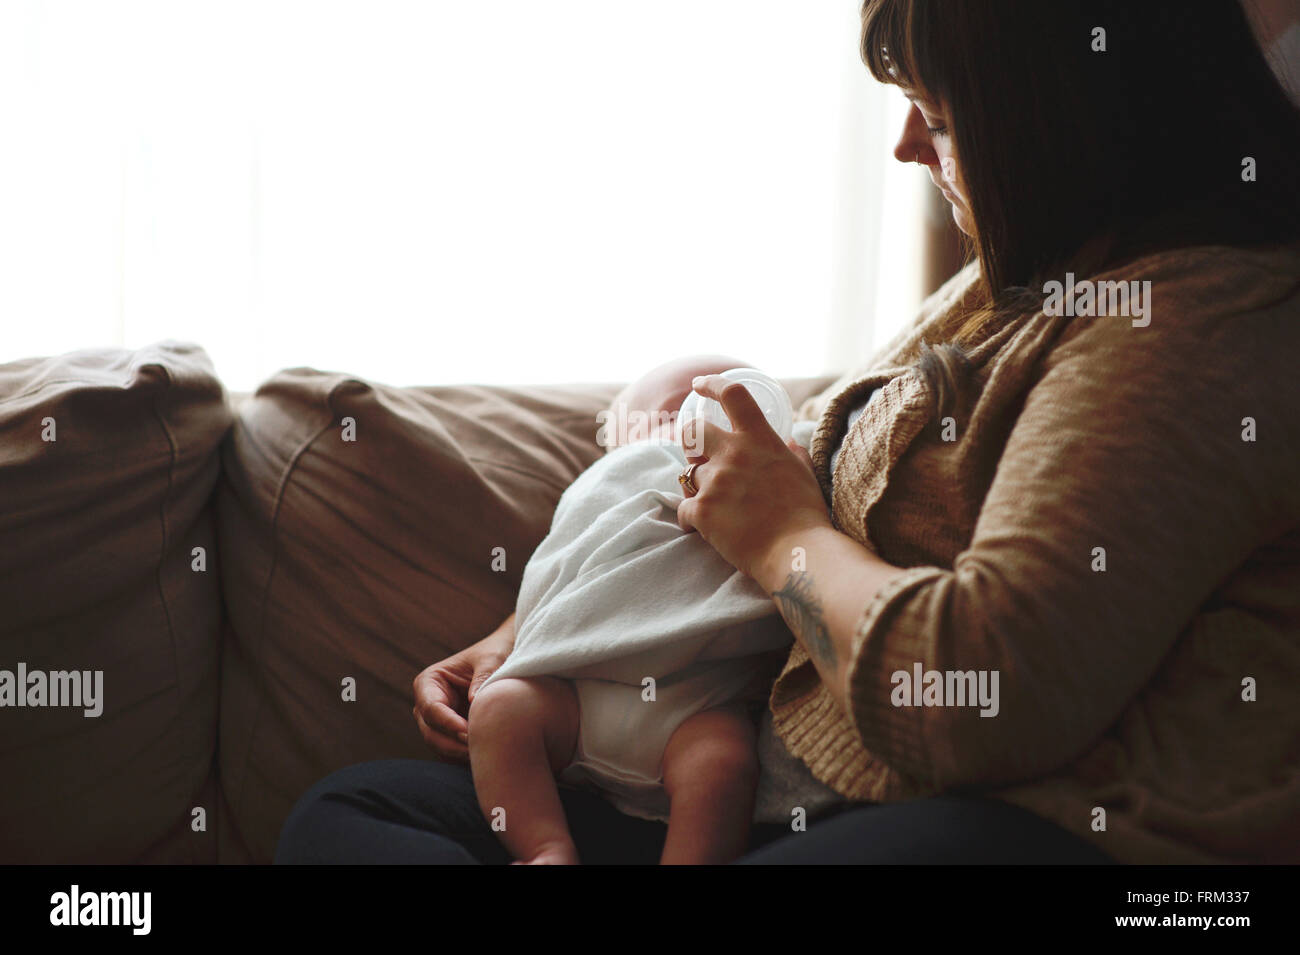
pixel 616 593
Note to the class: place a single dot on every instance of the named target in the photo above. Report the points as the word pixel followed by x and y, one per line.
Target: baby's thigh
pixel 513 710
pixel 714 747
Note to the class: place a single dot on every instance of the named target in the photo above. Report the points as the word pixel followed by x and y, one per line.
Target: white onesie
pixel 650 623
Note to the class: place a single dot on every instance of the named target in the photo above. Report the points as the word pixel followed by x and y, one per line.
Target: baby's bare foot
pixel 556 853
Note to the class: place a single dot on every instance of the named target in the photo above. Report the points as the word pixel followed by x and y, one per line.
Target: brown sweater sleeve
pixel 1132 441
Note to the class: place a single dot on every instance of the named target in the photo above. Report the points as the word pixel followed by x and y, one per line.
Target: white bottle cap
pixel 771 398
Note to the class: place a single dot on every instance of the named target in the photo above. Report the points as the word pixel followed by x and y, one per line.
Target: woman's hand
pixel 444 691
pixel 756 496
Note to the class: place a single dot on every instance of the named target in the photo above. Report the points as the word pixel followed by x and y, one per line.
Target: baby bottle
pixel 768 394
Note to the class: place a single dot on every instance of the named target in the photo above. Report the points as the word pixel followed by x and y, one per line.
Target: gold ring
pixel 687 480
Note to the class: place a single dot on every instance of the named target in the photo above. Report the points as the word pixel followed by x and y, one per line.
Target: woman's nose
pixel 914 144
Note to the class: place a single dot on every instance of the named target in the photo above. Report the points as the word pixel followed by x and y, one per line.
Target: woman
pixel 1053 614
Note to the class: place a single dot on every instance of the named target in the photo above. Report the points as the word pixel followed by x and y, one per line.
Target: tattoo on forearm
pixel 803 612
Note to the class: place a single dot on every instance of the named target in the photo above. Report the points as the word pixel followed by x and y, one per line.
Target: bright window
pixel 431 192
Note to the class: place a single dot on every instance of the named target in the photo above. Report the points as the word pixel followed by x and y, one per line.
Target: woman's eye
pixel 938 130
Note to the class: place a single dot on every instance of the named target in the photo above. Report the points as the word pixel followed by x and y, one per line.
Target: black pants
pixel 425 812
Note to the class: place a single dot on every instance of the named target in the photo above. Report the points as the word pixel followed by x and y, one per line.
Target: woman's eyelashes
pixel 937 130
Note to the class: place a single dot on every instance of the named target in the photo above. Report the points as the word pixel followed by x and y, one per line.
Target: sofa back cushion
pixel 368 531
pixel 108 565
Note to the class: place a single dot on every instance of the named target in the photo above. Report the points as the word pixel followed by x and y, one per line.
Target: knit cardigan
pixel 1112 523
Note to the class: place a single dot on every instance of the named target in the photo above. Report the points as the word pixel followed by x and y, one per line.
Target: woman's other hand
pixel 444 691
pixel 756 495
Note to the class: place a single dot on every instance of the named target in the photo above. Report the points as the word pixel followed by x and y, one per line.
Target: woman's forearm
pixel 822 581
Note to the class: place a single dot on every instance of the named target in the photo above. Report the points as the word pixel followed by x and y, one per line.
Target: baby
pixel 640 656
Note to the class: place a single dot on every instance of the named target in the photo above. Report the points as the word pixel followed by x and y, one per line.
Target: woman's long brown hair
pixel 1077 160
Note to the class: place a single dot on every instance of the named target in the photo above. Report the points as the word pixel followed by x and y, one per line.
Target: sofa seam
pixel 159 399
pixel 40 386
pixel 294 460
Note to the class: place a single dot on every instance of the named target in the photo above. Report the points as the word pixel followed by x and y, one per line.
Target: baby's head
pixel 648 406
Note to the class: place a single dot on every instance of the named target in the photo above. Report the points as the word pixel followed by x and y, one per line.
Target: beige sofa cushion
pixel 97 530
pixel 366 560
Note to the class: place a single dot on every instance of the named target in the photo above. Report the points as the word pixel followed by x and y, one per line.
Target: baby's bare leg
pixel 711 776
pixel 522 732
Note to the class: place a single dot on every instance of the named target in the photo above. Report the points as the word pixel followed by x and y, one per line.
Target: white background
pixel 431 192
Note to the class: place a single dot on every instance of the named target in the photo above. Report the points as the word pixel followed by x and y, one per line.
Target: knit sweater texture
pixel 1111 521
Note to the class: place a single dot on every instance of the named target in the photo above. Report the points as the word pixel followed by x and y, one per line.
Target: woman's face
pixel 926 139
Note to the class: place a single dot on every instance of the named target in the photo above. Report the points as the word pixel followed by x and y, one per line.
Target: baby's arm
pixel 647 408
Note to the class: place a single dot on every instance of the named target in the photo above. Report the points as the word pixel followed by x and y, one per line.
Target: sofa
pixel 255 578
